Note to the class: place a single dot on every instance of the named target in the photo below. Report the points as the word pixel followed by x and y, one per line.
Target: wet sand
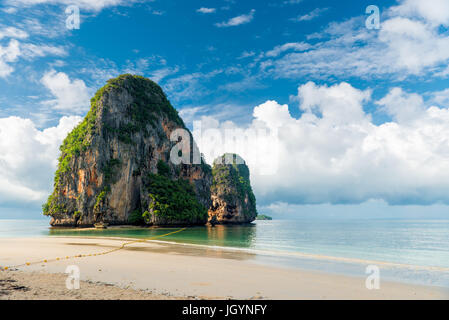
pixel 155 270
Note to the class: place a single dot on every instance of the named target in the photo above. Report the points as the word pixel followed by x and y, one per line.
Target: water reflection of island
pixel 242 236
pixel 237 236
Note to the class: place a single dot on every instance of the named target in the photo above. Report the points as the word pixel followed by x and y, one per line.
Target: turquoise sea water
pixel 423 243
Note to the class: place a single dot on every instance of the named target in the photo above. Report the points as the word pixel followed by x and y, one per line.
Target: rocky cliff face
pixel 114 166
pixel 232 197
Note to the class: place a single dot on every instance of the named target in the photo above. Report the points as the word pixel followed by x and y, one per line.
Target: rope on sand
pixel 89 255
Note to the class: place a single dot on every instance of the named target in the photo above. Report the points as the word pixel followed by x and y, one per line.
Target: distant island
pixel 263 217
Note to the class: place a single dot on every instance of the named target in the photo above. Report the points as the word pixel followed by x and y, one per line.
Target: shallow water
pixel 311 244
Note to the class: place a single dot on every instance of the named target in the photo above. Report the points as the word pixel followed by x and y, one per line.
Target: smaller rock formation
pixel 263 217
pixel 232 197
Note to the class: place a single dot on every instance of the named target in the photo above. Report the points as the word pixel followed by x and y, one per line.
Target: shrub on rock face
pixel 136 218
pixel 173 200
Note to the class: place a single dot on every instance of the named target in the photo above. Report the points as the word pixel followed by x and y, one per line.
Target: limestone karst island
pixel 115 168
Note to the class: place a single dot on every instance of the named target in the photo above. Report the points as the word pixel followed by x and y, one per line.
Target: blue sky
pixel 173 37
pixel 218 60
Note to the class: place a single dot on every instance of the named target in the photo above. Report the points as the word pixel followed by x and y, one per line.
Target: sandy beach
pixel 155 270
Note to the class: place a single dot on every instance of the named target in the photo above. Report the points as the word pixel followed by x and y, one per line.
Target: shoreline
pixel 267 252
pixel 184 270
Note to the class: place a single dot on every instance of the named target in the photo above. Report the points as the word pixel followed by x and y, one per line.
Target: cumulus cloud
pixel 71 96
pixel 434 11
pixel 239 20
pixel 29 158
pixel 401 106
pixel 334 153
pixel 441 97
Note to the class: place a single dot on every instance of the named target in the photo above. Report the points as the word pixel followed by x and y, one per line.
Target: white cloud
pixel 434 11
pixel 31 51
pixel 158 12
pixel 292 1
pixel 91 5
pixel 239 20
pixel 206 10
pixel 188 86
pixel 295 46
pixel 247 54
pixel 401 106
pixel 159 74
pixel 70 96
pixel 220 111
pixel 10 10
pixel 334 153
pixel 12 32
pixel 441 97
pixel 29 158
pixel 311 15
pixel 14 50
pixel 406 44
pixel 244 84
pixel 413 45
pixel 8 54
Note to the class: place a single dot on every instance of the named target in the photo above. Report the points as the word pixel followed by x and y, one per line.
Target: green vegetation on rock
pixel 136 218
pixel 100 199
pixel 52 207
pixel 77 215
pixel 173 200
pixel 144 110
pixel 163 169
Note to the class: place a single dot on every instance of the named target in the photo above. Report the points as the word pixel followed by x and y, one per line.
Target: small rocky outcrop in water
pixel 114 166
pixel 233 200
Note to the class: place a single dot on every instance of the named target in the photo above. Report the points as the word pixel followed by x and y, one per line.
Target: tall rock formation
pixel 232 197
pixel 114 166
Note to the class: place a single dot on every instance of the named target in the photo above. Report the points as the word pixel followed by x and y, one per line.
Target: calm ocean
pixel 405 250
